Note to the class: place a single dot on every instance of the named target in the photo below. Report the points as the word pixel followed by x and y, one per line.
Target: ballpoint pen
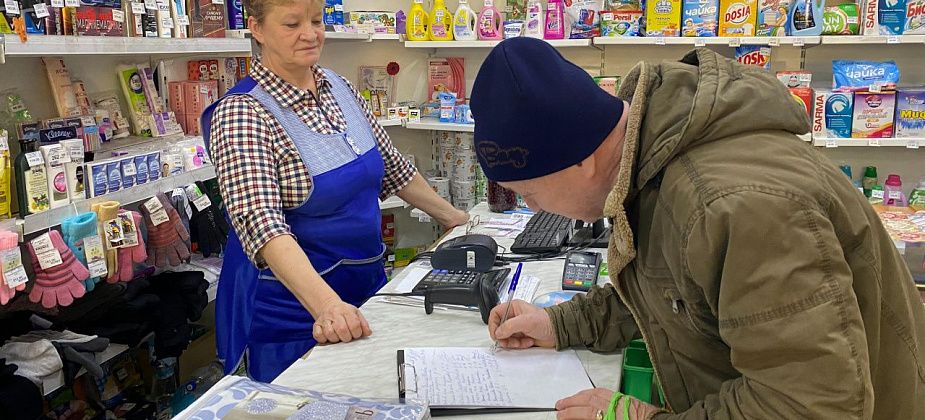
pixel 510 298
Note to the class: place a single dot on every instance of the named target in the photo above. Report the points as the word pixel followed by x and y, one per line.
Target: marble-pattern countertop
pixel 368 367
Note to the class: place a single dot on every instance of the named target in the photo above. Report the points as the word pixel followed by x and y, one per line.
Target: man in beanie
pixel 762 282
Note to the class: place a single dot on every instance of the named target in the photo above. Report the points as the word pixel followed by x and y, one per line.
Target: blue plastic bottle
pixel 806 17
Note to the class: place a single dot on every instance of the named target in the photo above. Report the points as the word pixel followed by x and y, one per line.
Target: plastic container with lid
pixel 893 191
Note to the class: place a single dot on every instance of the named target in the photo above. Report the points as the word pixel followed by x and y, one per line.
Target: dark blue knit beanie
pixel 535 112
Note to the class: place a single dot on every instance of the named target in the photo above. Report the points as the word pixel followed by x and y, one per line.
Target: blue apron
pixel 338 228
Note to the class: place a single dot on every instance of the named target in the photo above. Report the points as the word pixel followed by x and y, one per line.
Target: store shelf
pixel 392 202
pixel 55 381
pixel 434 124
pixel 702 41
pixel 335 36
pixel 390 123
pixel 57 45
pixel 136 141
pixel 386 37
pixel 48 219
pixel 911 143
pixel 490 44
pixel 873 39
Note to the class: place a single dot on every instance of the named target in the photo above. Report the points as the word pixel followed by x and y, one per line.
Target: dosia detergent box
pixel 873 115
pixel 700 18
pixel 663 18
pixel 737 17
pixel 915 17
pixel 910 113
pixel 832 114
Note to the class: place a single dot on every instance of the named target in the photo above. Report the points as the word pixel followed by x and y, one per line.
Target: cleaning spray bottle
pixel 806 17
pixel 535 19
pixel 555 20
pixel 490 22
pixel 464 22
pixel 893 190
pixel 439 23
pixel 417 24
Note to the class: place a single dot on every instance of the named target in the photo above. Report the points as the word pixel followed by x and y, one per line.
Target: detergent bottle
pixel 464 22
pixel 917 198
pixel 535 19
pixel 441 20
pixel 417 24
pixel 893 191
pixel 490 22
pixel 806 17
pixel 555 20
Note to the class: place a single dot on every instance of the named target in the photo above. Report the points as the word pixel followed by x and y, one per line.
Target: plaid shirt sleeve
pixel 398 171
pixel 246 164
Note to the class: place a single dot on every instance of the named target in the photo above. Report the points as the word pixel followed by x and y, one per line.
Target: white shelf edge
pixel 832 143
pixel 55 381
pixel 390 123
pixel 392 203
pixel 55 45
pixel 696 41
pixel 132 141
pixel 430 124
pixel 50 218
pixel 562 43
pixel 386 37
pixel 872 39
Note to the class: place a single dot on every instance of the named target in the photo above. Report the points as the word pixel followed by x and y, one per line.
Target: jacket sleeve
pixel 772 266
pixel 598 321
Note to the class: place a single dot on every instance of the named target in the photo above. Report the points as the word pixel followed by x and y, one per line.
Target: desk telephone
pixel 466 288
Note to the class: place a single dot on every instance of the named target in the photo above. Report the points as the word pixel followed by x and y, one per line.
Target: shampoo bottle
pixel 555 20
pixel 31 179
pixel 438 28
pixel 417 22
pixel 806 17
pixel 893 191
pixel 464 22
pixel 55 175
pixel 535 19
pixel 490 22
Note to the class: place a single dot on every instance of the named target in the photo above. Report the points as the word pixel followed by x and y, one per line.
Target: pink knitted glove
pixel 8 240
pixel 166 240
pixel 129 256
pixel 61 284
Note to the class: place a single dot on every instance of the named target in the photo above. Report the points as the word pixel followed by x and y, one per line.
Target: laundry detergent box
pixel 737 17
pixel 700 18
pixel 915 17
pixel 870 19
pixel 621 23
pixel 833 113
pixel 910 113
pixel 754 55
pixel 663 18
pixel 842 19
pixel 772 17
pixel 892 16
pixel 873 115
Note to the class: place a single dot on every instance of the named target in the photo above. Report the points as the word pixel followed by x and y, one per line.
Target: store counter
pixel 367 368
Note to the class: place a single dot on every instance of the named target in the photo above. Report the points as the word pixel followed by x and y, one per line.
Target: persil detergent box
pixel 873 115
pixel 737 17
pixel 915 17
pixel 772 17
pixel 700 18
pixel 910 113
pixel 892 17
pixel 833 113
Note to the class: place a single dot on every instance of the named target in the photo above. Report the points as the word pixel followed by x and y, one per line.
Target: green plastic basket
pixel 637 372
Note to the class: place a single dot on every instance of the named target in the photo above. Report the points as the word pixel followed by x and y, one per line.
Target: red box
pixel 388 229
pixel 85 19
pixel 207 19
pixel 804 96
pixel 192 127
pixel 192 70
pixel 175 98
pixel 105 23
pixel 199 95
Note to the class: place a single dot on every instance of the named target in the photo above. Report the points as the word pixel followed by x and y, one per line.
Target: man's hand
pixel 340 322
pixel 586 405
pixel 526 326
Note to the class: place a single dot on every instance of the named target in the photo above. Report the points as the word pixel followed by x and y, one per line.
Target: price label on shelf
pixel 735 42
pixel 912 144
pixel 876 88
pixel 118 16
pixel 218 1
pixel 167 22
pixel 774 42
pixel 41 10
pixel 34 159
pixel 151 4
pixel 700 42
pixel 138 8
pixel 893 39
pixel 799 42
pixel 831 143
pixel 11 6
pixel 660 41
pixel 72 3
pixel 183 20
pixel 873 142
pixel 877 194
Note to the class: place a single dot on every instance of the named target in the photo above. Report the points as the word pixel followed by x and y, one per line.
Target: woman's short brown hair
pixel 259 8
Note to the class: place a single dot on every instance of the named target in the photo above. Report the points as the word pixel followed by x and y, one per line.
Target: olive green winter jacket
pixel 762 281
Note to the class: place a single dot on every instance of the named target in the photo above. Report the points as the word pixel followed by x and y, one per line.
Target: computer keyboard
pixel 545 232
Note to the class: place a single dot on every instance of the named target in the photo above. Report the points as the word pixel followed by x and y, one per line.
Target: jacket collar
pixel 284 92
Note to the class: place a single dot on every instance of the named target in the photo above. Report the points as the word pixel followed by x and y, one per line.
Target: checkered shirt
pixel 260 171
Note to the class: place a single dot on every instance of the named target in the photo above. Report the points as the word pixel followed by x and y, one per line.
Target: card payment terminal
pixel 581 269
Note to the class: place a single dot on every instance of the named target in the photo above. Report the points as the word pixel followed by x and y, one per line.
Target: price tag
pixel 912 144
pixel 894 195
pixel 660 41
pixel 167 22
pixel 151 4
pixel 96 256
pixel 13 271
pixel 876 194
pixel 72 3
pixel 200 201
pixel 118 16
pixel 12 7
pixel 34 159
pixel 183 20
pixel 873 142
pixel 41 10
pixel 735 42
pixel 774 42
pixel 159 217
pixel 50 259
pixel 138 8
pixel 163 7
pixel 57 3
pixel 112 230
pixel 892 39
pixel 203 89
pixel 700 42
pixel 129 230
pixel 218 1
pixel 153 205
pixel 42 244
pixel 799 42
pixel 831 143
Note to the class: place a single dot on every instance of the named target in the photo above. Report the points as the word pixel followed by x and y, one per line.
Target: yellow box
pixel 663 18
pixel 737 17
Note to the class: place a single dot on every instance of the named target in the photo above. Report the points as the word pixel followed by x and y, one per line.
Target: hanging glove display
pixel 107 211
pixel 209 228
pixel 8 240
pixel 166 234
pixel 58 275
pixel 133 254
pixel 179 201
pixel 74 230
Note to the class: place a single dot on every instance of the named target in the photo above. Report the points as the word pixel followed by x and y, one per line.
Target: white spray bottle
pixel 464 22
pixel 536 21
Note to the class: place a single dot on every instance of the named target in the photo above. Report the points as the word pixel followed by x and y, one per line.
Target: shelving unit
pixel 64 45
pixel 434 124
pixel 54 382
pixel 872 39
pixel 490 44
pixel 136 141
pixel 392 202
pixel 910 143
pixel 328 36
pixel 390 123
pixel 703 41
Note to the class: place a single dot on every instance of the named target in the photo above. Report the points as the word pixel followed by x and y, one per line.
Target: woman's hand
pixel 526 326
pixel 340 322
pixel 593 404
pixel 453 219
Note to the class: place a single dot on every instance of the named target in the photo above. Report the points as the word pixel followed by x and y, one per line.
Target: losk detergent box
pixel 910 113
pixel 915 17
pixel 772 17
pixel 737 17
pixel 663 18
pixel 832 114
pixel 754 55
pixel 873 115
pixel 700 18
pixel 892 17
